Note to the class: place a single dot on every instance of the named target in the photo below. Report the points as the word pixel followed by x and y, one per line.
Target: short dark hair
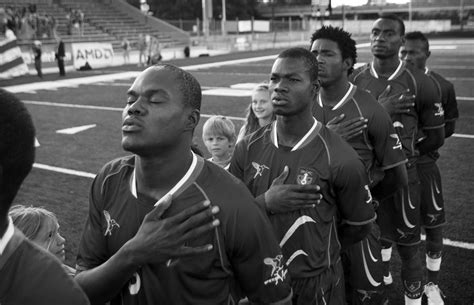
pixel 417 35
pixel 346 44
pixel 309 59
pixel 189 85
pixel 17 149
pixel 396 19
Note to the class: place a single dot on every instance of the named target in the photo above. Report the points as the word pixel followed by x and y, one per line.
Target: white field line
pixel 91 107
pixel 446 241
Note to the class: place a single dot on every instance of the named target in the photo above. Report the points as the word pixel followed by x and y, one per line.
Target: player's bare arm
pixel 396 103
pixel 347 129
pixel 394 179
pixel 157 240
pixel 282 198
pixel 350 234
pixel 434 139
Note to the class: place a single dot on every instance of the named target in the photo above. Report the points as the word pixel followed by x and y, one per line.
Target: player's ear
pixel 347 63
pixel 192 119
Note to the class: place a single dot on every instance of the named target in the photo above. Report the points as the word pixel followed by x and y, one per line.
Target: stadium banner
pixel 96 54
pixel 11 60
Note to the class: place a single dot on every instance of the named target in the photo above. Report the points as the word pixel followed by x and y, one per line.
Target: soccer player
pixel 218 134
pixel 29 274
pixel 143 242
pixel 411 99
pixel 416 51
pixel 366 126
pixel 287 164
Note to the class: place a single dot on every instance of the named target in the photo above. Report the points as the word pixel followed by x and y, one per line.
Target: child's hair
pixel 251 122
pixel 31 219
pixel 219 125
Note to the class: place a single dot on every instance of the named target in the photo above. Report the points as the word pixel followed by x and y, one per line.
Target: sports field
pixel 78 121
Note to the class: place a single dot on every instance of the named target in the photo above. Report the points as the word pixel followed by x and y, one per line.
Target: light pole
pixel 224 19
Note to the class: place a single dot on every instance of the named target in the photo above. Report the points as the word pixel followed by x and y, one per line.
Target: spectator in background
pixel 60 55
pixel 126 50
pixel 218 134
pixel 42 228
pixel 37 56
pixel 29 274
pixel 141 46
pixel 259 113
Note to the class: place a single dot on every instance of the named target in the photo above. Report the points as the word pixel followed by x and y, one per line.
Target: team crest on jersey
pixel 439 109
pixel 279 271
pixel 110 223
pixel 259 168
pixel 305 176
pixel 398 143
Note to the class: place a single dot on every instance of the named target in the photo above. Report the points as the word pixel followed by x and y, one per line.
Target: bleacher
pixel 103 22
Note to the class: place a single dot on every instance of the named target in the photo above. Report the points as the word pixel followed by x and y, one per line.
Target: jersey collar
pixel 394 75
pixel 312 132
pixel 5 239
pixel 188 178
pixel 427 71
pixel 349 94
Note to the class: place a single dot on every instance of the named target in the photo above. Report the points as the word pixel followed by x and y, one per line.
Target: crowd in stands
pixel 75 21
pixel 26 23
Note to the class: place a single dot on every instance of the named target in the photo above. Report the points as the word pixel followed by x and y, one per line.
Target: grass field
pixel 65 162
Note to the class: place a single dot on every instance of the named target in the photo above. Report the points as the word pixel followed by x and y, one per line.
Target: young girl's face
pixel 218 145
pixel 261 105
pixel 49 238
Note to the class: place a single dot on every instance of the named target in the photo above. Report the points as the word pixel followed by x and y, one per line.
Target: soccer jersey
pixel 308 237
pixel 245 255
pixel 427 112
pixel 378 145
pixel 448 99
pixel 31 275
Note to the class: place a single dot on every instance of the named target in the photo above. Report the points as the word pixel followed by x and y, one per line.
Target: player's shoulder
pixel 360 71
pixel 115 170
pixel 439 78
pixel 338 151
pixel 256 138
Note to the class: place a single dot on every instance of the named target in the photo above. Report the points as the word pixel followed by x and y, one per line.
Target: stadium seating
pixel 104 21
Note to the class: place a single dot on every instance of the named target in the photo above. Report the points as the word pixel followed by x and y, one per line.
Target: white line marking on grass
pixel 460 135
pixel 74 130
pixel 227 92
pixel 453 243
pixel 73 106
pixel 464 98
pixel 64 170
pixel 106 108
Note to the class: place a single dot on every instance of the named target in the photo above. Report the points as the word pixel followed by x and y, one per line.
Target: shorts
pixel 431 202
pixel 324 288
pixel 398 216
pixel 362 262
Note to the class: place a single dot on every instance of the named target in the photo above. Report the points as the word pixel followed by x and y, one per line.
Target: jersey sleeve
pixel 255 255
pixel 385 140
pixel 237 162
pixel 351 187
pixel 429 106
pixel 92 248
pixel 450 105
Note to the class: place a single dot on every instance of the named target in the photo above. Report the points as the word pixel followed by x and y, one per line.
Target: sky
pixel 335 3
